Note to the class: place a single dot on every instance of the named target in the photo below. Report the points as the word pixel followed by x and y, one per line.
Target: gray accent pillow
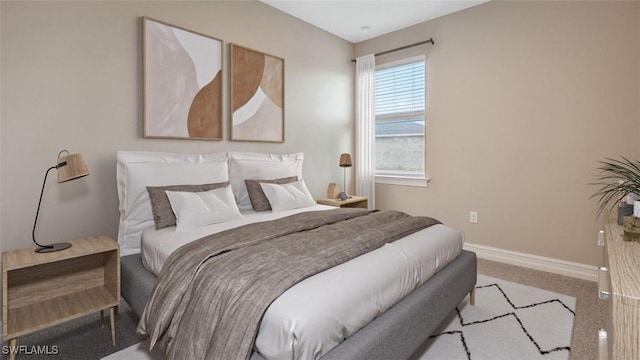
pixel 259 200
pixel 163 215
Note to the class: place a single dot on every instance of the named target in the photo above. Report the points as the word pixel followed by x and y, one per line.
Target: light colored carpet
pixel 508 321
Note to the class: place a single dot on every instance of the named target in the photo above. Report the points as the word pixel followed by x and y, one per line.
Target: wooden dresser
pixel 619 285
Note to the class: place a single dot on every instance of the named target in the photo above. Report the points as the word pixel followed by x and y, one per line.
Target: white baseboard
pixel 567 268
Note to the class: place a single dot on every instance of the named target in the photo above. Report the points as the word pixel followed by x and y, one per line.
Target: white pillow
pixel 289 196
pixel 138 169
pixel 196 209
pixel 256 166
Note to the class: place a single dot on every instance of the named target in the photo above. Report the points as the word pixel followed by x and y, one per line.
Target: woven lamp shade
pixel 75 167
pixel 345 160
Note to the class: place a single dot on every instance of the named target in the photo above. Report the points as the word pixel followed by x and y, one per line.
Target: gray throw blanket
pixel 211 293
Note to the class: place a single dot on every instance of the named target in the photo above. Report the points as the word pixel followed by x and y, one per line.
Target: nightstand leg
pixel 113 326
pixel 12 349
pixel 472 296
pixel 102 318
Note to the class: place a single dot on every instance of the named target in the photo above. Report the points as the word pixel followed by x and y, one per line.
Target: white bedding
pixel 157 245
pixel 318 313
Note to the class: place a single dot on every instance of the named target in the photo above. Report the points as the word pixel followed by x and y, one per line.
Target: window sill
pixel 402 180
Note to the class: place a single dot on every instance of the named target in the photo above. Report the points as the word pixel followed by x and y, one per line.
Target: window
pixel 400 120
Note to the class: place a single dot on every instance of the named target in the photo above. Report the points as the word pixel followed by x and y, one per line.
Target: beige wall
pixel 523 98
pixel 71 79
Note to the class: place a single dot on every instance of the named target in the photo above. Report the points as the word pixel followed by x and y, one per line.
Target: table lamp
pixel 70 167
pixel 345 162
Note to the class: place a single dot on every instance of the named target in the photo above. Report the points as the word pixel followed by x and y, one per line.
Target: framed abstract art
pixel 182 83
pixel 257 96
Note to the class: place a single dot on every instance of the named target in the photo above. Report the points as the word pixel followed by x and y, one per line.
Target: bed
pixel 422 298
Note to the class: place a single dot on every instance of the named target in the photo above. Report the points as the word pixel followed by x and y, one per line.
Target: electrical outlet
pixel 473 217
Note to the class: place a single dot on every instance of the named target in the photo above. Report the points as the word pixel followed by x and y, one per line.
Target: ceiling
pixel 359 20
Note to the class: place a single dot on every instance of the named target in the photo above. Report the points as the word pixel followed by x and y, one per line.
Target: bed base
pixel 396 334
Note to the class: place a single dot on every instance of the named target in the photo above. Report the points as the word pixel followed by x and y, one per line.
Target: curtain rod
pixel 430 41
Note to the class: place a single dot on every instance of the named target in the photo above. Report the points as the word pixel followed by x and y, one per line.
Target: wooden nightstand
pixel 352 201
pixel 44 289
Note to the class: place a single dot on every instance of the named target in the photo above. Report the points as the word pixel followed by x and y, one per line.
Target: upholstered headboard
pixel 138 169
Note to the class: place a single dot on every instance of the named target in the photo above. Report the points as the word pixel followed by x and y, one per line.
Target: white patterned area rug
pixel 509 321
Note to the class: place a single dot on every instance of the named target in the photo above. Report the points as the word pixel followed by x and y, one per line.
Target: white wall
pixel 523 99
pixel 72 79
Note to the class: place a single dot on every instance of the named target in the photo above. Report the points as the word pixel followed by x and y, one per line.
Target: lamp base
pixel 53 247
pixel 343 196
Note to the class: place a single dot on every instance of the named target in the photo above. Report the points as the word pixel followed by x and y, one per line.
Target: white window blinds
pixel 400 115
pixel 400 91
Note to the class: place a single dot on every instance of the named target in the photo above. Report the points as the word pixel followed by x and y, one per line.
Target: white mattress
pixel 318 313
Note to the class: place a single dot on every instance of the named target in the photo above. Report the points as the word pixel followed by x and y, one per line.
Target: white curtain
pixel 365 128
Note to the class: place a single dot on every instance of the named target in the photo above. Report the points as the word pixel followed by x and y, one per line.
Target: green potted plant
pixel 618 179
